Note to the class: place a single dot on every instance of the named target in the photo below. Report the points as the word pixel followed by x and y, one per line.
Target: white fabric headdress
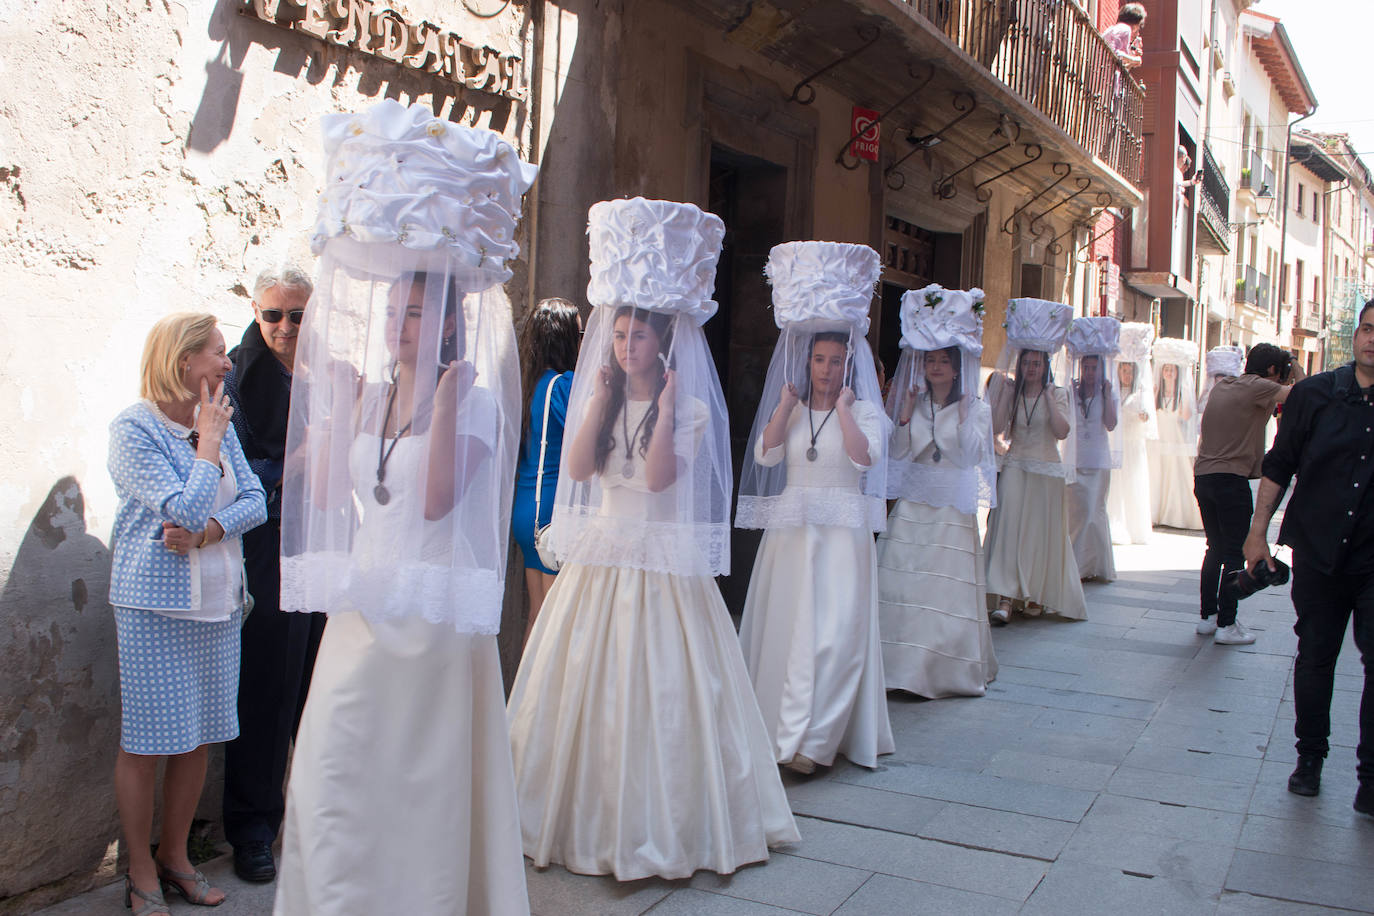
pixel 1225 360
pixel 405 396
pixel 655 255
pixel 941 454
pixel 645 476
pixel 1092 345
pixel 1042 326
pixel 821 296
pixel 1179 407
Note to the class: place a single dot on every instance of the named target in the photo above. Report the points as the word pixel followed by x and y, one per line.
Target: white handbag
pixel 543 541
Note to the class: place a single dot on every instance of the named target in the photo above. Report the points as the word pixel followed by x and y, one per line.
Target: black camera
pixel 1242 584
pixel 1285 373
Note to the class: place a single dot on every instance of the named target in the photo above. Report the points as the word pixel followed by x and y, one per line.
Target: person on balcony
pixel 1124 37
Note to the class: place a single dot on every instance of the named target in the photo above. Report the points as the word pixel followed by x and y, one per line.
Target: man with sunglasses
pixel 278 649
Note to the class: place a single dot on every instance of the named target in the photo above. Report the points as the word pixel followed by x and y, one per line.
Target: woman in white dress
pixel 813 480
pixel 403 427
pixel 638 746
pixel 932 591
pixel 1128 499
pixel 1031 566
pixel 1171 455
pixel 1092 345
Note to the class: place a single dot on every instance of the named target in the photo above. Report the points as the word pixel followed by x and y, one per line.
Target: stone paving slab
pixel 1125 765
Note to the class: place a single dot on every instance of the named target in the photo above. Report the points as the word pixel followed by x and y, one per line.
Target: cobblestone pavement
pixel 1118 765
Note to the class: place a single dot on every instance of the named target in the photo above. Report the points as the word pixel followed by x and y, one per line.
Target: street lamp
pixel 1264 202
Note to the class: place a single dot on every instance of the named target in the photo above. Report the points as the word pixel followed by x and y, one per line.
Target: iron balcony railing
pixel 1049 53
pixel 1252 173
pixel 1247 284
pixel 1262 292
pixel 1215 199
pixel 1310 319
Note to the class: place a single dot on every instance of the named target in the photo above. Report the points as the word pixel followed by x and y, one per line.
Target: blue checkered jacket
pixel 158 478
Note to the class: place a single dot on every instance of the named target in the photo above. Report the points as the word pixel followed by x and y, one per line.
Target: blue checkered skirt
pixel 178 681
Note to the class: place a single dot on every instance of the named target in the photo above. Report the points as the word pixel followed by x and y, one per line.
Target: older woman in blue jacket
pixel 186 494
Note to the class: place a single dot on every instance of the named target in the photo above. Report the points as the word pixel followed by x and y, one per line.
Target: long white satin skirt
pixel 402 797
pixel 638 746
pixel 810 638
pixel 932 603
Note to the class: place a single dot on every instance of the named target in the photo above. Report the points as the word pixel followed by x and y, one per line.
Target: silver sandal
pixel 171 881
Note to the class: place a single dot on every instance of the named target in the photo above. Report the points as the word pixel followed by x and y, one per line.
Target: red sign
pixel 864 125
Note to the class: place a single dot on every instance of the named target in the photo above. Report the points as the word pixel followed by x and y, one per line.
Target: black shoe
pixel 1364 798
pixel 1307 778
pixel 253 863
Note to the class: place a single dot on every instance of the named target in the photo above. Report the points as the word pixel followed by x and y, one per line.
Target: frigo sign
pixel 369 27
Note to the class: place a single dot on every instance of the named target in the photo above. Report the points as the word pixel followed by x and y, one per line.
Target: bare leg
pixel 538 584
pixel 181 788
pixel 135 776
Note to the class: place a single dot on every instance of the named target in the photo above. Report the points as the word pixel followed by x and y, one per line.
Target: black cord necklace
pixel 628 470
pixel 1085 404
pixel 935 457
pixel 380 492
pixel 811 453
pixel 1031 413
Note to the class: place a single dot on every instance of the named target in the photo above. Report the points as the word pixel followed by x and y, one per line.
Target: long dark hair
pixel 839 337
pixel 956 359
pixel 548 340
pixel 454 347
pixel 1018 389
pixel 662 326
pixel 1101 374
pixel 1163 401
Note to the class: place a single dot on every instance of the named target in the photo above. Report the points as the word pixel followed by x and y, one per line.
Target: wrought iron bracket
pixel 980 189
pixel 1054 246
pixel 1083 185
pixel 844 150
pixel 1117 220
pixel 805 84
pixel 1063 170
pixel 926 141
pixel 946 189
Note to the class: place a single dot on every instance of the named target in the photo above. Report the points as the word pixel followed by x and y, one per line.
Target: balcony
pixel 1050 54
pixel 1214 206
pixel 1262 290
pixel 1309 318
pixel 1247 285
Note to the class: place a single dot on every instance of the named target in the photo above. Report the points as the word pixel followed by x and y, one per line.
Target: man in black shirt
pixel 1326 438
pixel 279 649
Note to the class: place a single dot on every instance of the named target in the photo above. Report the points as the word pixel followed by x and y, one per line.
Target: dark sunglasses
pixel 272 316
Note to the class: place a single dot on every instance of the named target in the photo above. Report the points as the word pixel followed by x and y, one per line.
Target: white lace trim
pixel 964 489
pixel 668 547
pixel 1045 468
pixel 799 507
pixel 332 583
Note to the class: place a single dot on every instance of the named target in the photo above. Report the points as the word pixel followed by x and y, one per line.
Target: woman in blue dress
pixel 549 337
pixel 186 494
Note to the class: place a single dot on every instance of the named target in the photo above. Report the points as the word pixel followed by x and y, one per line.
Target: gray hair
pixel 289 277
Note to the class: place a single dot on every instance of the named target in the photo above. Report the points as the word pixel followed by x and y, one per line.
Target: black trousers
pixel 1225 502
pixel 278 655
pixel 1324 603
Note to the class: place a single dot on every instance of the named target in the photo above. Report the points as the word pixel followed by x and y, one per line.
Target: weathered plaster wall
pixel 154 156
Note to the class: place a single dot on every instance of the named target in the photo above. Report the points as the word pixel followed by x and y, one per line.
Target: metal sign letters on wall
pixel 366 26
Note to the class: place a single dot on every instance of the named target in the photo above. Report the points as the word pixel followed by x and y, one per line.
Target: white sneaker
pixel 1234 635
pixel 1000 617
pixel 1207 626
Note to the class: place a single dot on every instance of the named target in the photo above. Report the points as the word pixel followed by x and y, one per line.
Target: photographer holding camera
pixel 1326 437
pixel 1230 450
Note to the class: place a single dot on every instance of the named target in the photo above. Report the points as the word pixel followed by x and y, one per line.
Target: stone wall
pixel 154 156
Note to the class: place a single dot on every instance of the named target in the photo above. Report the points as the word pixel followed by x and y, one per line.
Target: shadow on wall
pixel 59 704
pixel 302 57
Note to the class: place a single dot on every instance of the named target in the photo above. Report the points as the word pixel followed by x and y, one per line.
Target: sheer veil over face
pixel 1093 345
pixel 404 407
pixel 1175 395
pixel 941 452
pixel 645 474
